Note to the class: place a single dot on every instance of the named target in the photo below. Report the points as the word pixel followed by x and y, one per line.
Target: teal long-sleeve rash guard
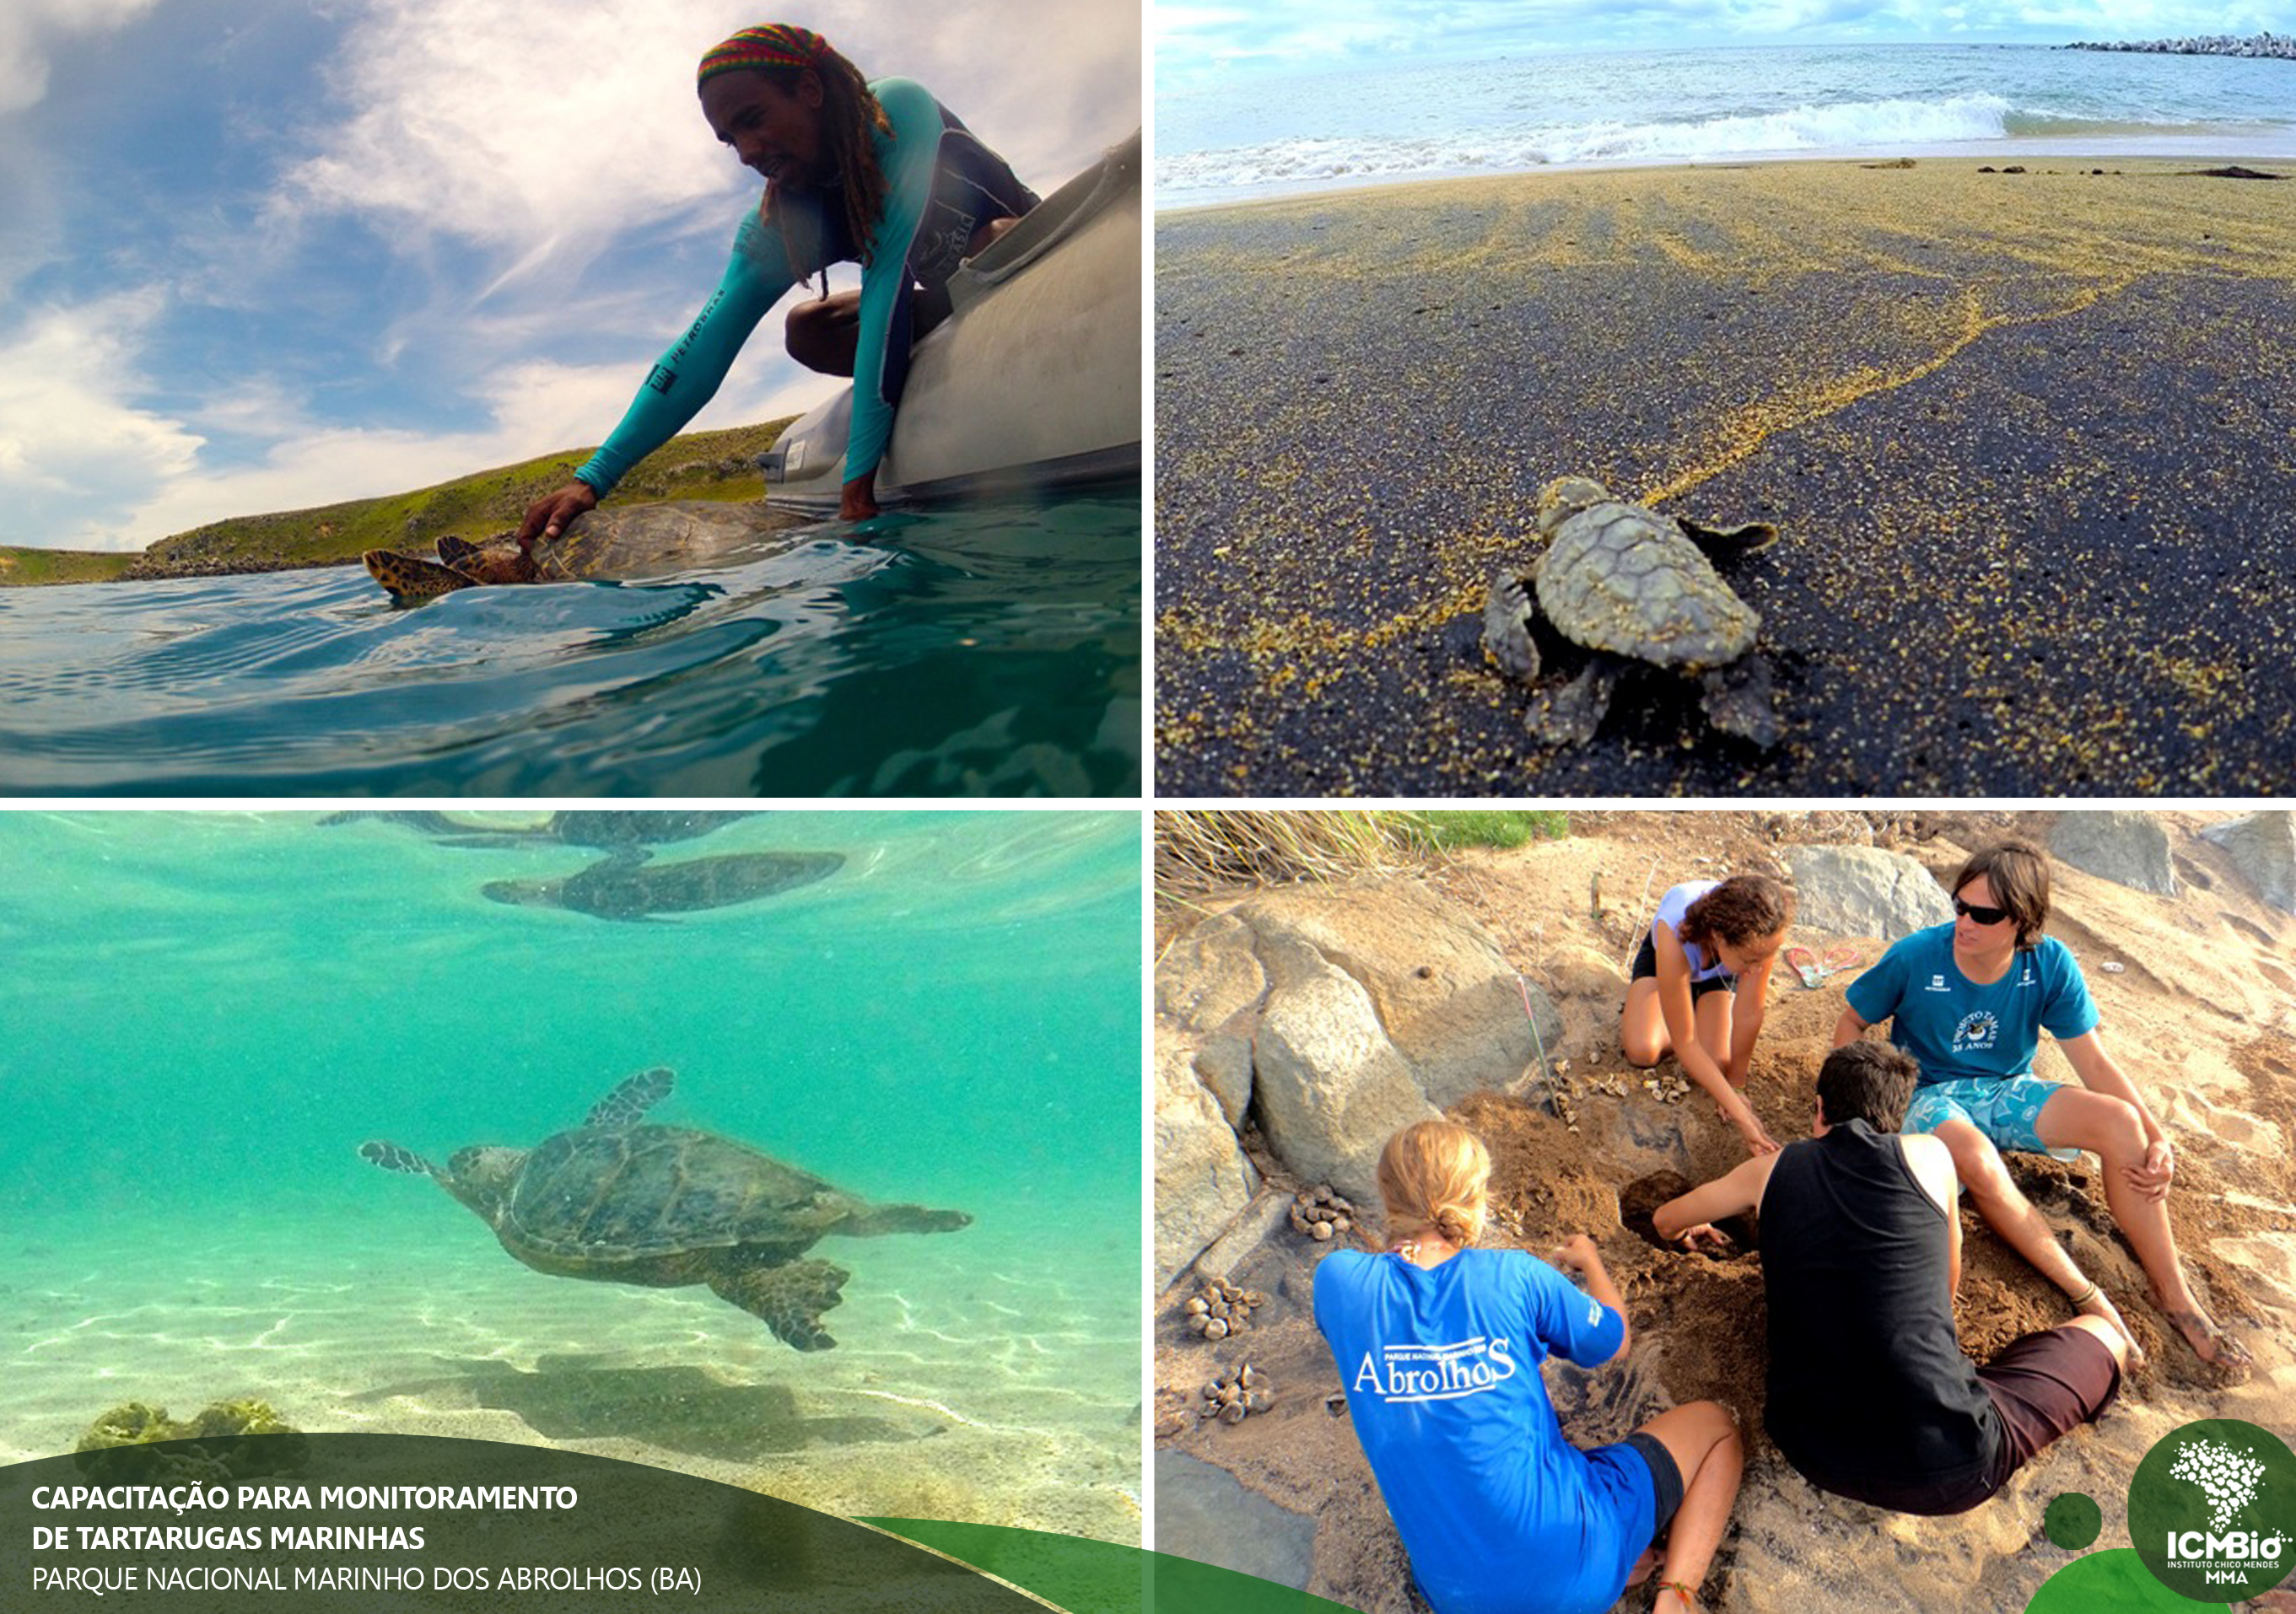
pixel 760 274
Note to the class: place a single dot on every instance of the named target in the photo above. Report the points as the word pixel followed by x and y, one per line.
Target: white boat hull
pixel 1034 378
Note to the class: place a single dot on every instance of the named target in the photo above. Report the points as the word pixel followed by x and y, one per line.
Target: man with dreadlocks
pixel 881 174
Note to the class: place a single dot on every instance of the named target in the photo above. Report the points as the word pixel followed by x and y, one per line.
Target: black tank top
pixel 1870 1394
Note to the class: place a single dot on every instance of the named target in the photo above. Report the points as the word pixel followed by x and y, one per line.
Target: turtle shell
pixel 1619 578
pixel 602 1195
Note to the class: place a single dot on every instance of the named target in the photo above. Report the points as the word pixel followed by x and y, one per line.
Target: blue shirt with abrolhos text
pixel 1500 1513
pixel 1959 1030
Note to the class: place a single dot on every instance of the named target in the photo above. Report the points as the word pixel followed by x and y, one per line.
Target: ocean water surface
pixel 208 1013
pixel 1253 135
pixel 976 649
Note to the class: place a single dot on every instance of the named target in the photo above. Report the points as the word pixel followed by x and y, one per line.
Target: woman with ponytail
pixel 878 173
pixel 1700 984
pixel 1439 1345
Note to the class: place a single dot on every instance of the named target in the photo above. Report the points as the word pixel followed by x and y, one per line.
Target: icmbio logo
pixel 2212 1510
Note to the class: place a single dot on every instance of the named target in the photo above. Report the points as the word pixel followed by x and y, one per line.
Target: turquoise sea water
pixel 208 1012
pixel 1252 133
pixel 984 648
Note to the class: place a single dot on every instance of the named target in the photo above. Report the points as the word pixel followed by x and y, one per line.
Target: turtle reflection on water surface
pixel 625 1201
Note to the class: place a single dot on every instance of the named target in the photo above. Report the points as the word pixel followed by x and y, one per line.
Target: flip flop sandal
pixel 1843 955
pixel 1804 964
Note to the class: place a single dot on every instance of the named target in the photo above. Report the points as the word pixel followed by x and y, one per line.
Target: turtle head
pixel 1565 496
pixel 521 893
pixel 481 1176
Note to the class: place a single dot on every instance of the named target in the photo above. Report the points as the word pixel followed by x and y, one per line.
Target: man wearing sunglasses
pixel 1969 1001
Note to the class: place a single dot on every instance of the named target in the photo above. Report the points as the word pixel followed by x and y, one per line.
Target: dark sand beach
pixel 2029 439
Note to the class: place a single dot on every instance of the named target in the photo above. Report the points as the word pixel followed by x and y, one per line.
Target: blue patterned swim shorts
pixel 2005 1111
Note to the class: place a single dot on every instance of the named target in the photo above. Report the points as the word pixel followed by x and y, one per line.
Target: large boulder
pixel 1331 1016
pixel 1457 1012
pixel 1863 892
pixel 1203 1180
pixel 2127 849
pixel 2263 848
pixel 1329 1085
pixel 1208 987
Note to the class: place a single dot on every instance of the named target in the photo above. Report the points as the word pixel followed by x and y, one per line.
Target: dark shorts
pixel 1646 964
pixel 1665 1478
pixel 2043 1386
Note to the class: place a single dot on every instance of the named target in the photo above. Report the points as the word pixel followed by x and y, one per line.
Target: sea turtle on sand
pixel 625 1201
pixel 1630 585
pixel 636 540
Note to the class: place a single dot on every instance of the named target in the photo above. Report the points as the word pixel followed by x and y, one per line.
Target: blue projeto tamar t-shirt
pixel 1959 1030
pixel 1500 1514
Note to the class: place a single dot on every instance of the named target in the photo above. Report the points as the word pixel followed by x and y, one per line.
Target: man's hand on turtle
pixel 552 513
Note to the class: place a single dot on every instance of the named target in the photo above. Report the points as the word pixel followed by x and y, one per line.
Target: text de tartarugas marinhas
pixel 184 1500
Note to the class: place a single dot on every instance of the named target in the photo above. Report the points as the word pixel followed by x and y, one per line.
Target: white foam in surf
pixel 1851 126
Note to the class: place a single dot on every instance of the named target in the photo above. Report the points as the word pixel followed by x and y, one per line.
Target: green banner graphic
pixel 357 1523
pixel 1096 1577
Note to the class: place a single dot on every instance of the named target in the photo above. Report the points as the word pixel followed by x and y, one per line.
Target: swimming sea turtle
pixel 625 1201
pixel 626 886
pixel 1630 585
pixel 633 540
pixel 460 564
pixel 615 827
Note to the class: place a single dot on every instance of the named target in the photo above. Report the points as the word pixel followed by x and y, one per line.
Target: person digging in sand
pixel 1869 1393
pixel 1969 1001
pixel 1439 1345
pixel 1708 939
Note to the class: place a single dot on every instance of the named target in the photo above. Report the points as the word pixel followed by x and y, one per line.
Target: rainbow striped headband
pixel 777 44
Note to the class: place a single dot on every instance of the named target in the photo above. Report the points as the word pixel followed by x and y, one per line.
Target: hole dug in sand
pixel 1639 1199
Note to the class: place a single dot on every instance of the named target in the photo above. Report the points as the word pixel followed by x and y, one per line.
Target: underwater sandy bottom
pixel 989 1376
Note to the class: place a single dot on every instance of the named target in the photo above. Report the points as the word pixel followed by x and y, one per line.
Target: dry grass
pixel 1199 853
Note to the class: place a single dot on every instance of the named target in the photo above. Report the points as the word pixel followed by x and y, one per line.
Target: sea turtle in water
pixel 1630 585
pixel 461 564
pixel 615 827
pixel 623 1200
pixel 626 886
pixel 635 540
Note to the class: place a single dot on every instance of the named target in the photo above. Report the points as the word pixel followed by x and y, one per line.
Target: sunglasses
pixel 1984 916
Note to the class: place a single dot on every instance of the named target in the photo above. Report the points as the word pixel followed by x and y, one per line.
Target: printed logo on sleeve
pixel 1404 1373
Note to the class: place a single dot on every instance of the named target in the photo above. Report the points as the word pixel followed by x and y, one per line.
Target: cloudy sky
pixel 260 255
pixel 1195 39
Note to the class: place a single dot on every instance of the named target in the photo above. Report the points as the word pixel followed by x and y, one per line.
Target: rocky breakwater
pixel 2278 46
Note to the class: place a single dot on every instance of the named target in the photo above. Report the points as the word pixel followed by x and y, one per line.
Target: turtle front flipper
pixel 1738 700
pixel 621 1108
pixel 877 1220
pixel 1724 545
pixel 1506 627
pixel 1571 714
pixel 788 1299
pixel 410 576
pixel 390 1157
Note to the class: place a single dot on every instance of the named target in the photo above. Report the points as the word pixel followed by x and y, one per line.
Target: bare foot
pixel 2100 1305
pixel 2211 1344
